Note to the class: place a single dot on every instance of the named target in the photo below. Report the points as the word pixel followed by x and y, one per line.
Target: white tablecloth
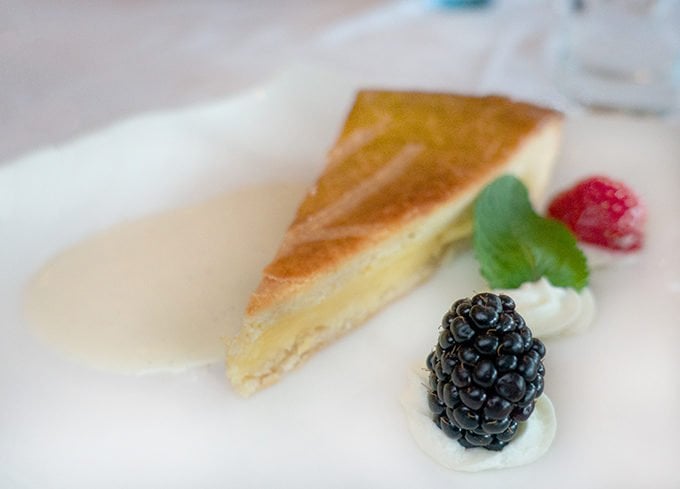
pixel 73 66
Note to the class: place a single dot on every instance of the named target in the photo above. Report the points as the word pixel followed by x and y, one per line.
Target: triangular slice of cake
pixel 396 192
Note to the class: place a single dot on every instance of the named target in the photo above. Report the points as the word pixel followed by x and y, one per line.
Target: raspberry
pixel 485 372
pixel 602 212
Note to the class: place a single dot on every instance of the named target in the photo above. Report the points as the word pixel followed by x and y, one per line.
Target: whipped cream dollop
pixel 533 438
pixel 552 311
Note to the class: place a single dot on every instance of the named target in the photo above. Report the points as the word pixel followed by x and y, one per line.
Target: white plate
pixel 336 422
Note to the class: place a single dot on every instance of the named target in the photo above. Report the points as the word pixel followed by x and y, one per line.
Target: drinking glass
pixel 621 54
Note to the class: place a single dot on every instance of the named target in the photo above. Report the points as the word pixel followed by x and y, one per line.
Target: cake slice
pixel 396 193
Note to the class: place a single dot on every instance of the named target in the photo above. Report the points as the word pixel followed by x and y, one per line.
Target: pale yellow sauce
pixel 161 293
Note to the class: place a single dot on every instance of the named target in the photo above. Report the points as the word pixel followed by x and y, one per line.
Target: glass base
pixel 605 90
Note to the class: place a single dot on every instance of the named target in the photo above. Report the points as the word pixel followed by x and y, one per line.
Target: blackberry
pixel 486 372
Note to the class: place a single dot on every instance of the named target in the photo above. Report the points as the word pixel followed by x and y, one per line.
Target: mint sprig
pixel 514 245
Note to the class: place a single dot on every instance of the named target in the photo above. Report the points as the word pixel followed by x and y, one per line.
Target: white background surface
pixel 336 422
pixel 73 68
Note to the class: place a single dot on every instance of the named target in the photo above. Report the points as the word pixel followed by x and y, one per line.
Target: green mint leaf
pixel 514 245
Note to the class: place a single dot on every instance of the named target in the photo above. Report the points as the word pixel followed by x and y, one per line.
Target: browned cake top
pixel 399 155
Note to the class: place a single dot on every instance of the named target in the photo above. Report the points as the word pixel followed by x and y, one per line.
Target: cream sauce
pixel 161 293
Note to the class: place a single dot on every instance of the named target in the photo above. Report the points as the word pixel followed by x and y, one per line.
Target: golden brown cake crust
pixel 399 155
